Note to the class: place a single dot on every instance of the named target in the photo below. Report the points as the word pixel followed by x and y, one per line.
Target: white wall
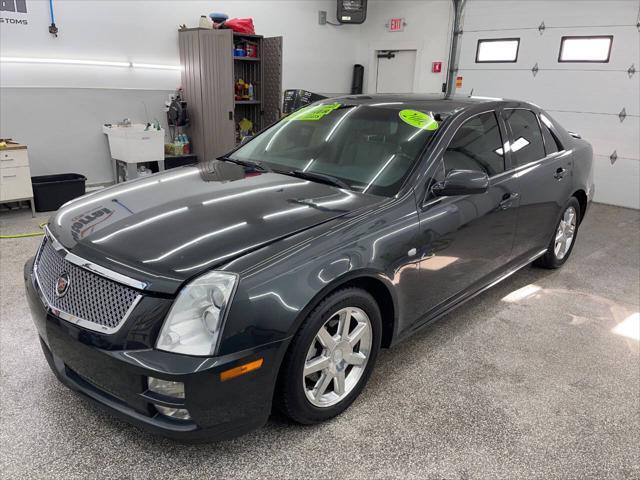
pixel 58 110
pixel 147 31
pixel 428 31
pixel 583 97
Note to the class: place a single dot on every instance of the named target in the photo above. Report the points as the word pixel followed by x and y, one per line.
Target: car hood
pixel 167 228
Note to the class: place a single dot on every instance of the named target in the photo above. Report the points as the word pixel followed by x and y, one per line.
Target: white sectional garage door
pixel 586 98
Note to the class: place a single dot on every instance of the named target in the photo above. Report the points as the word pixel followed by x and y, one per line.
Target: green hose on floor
pixel 26 235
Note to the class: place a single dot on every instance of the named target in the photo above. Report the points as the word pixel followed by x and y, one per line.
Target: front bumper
pixel 117 379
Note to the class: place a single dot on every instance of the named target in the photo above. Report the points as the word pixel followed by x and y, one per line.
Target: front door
pixel 465 239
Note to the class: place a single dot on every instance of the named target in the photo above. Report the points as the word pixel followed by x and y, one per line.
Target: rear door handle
pixel 507 200
pixel 560 173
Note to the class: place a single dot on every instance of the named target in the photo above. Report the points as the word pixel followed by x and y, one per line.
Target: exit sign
pixel 396 25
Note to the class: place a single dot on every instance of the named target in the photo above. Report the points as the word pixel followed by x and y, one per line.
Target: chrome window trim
pixel 92 267
pixel 512 171
pixel 531 164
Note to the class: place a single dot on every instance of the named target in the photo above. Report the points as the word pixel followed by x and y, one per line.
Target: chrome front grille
pixel 90 300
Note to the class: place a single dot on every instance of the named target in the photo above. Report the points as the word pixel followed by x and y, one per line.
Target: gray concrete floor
pixel 505 387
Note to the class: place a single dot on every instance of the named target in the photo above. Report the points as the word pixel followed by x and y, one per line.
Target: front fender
pixel 280 284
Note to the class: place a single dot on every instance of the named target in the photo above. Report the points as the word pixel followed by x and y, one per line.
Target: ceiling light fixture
pixel 95 63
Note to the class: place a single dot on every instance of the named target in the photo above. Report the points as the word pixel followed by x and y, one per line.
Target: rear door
pixel 466 239
pixel 543 172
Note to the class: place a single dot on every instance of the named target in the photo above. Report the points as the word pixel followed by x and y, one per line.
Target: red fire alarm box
pixel 436 67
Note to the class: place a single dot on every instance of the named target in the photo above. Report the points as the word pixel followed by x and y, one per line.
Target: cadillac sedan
pixel 194 301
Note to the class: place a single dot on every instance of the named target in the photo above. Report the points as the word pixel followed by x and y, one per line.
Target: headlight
pixel 194 323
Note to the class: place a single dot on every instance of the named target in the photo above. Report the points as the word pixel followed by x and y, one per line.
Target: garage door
pixel 599 100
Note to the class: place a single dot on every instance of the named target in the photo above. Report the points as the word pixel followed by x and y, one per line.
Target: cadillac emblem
pixel 62 284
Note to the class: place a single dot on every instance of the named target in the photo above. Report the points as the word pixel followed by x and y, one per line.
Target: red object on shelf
pixel 241 25
pixel 252 50
pixel 436 67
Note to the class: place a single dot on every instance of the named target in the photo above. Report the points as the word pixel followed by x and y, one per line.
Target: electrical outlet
pixel 322 17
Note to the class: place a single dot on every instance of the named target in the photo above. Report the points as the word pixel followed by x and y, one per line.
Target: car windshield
pixel 370 149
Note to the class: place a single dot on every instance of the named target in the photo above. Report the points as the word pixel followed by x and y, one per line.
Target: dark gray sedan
pixel 191 301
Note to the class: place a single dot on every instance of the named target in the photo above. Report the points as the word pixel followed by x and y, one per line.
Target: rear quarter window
pixel 527 144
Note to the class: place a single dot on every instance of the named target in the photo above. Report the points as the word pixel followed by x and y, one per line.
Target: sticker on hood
pixel 418 119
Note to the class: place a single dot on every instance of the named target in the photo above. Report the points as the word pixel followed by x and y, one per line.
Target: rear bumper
pixel 117 379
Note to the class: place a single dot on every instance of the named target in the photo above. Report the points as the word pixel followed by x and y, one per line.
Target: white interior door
pixel 396 70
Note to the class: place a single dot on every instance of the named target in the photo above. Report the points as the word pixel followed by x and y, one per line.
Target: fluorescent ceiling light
pixel 65 61
pixel 156 66
pixel 97 63
pixel 502 50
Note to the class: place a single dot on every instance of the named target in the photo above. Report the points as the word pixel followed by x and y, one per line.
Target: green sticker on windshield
pixel 419 119
pixel 314 112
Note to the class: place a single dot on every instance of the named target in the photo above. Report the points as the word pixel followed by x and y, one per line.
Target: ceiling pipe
pixel 458 7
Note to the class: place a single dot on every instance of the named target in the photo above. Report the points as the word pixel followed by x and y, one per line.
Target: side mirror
pixel 461 182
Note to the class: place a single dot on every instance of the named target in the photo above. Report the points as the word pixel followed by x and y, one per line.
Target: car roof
pixel 436 103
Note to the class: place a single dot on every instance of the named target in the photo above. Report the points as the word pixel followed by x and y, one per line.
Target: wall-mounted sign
pixel 396 25
pixel 459 81
pixel 436 67
pixel 352 11
pixel 18 7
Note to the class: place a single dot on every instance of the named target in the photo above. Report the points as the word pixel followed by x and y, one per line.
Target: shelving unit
pixel 209 76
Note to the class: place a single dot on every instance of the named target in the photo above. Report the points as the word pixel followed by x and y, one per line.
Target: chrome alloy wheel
pixel 337 357
pixel 565 233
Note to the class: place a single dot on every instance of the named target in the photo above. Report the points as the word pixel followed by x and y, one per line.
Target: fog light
pixel 166 387
pixel 177 413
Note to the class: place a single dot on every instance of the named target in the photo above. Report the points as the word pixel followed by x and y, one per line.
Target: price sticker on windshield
pixel 418 119
pixel 315 112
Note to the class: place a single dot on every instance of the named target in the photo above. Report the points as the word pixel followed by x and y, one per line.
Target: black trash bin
pixel 50 192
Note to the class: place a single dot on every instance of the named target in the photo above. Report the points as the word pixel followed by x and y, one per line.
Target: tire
pixel 556 257
pixel 300 395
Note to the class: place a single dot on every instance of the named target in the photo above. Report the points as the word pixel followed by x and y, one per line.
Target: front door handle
pixel 507 200
pixel 560 173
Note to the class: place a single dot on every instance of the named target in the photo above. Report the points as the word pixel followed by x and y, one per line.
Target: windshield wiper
pixel 244 163
pixel 315 176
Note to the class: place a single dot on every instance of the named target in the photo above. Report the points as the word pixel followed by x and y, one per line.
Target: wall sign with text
pixel 396 25
pixel 16 9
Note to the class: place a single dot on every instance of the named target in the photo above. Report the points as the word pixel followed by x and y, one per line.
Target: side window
pixel 477 145
pixel 550 144
pixel 527 145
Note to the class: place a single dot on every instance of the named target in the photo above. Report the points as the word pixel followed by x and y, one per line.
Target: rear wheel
pixel 331 357
pixel 564 237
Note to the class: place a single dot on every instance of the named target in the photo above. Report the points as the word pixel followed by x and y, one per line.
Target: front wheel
pixel 331 357
pixel 564 237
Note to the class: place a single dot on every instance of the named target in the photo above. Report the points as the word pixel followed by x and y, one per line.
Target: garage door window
pixel 527 145
pixel 497 50
pixel 477 145
pixel 586 49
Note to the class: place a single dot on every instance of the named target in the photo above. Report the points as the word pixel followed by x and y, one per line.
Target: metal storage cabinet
pixel 208 81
